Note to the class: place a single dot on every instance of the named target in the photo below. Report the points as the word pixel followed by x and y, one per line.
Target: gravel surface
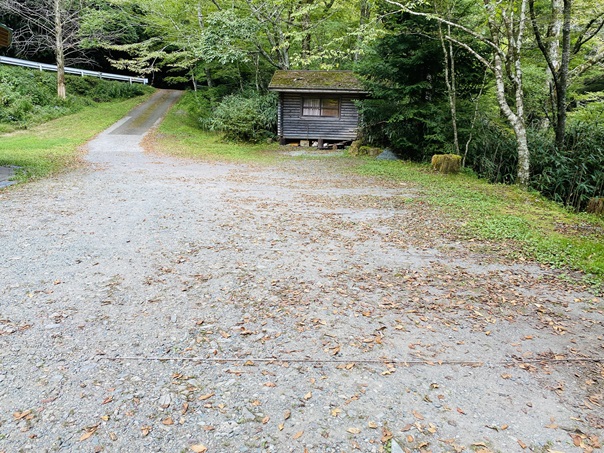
pixel 161 305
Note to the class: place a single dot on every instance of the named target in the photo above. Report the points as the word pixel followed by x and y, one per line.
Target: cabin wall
pixel 292 125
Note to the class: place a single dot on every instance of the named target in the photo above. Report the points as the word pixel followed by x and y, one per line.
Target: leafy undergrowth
pixel 180 136
pixel 54 146
pixel 29 97
pixel 524 221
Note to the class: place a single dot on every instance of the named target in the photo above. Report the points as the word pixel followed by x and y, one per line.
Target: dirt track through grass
pixel 342 316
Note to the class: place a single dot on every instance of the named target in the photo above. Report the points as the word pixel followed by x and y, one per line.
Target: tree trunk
pixel 364 16
pixel 516 119
pixel 209 79
pixel 59 53
pixel 562 86
pixel 450 82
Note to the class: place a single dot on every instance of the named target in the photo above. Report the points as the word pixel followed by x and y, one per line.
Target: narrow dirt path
pixel 155 304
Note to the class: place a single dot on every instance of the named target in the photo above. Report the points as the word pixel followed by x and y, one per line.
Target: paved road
pixel 155 304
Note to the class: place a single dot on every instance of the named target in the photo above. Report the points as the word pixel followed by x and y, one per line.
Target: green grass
pixel 178 135
pixel 528 223
pixel 53 146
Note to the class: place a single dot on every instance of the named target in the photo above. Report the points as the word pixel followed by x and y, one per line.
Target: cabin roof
pixel 316 82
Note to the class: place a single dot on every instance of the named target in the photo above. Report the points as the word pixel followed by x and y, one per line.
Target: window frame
pixel 322 100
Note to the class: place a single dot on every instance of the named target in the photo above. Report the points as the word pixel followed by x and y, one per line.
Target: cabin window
pixel 329 107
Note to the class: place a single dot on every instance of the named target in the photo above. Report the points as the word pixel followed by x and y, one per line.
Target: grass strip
pixel 531 225
pixel 179 135
pixel 54 146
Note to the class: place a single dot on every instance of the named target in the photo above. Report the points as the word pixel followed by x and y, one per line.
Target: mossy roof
pixel 323 81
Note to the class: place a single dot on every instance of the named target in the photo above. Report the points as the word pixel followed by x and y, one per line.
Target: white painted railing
pixel 80 72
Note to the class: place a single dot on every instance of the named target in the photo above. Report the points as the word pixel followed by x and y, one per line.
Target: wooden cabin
pixel 317 106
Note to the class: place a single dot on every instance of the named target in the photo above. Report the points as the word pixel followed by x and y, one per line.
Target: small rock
pixel 396 448
pixel 164 401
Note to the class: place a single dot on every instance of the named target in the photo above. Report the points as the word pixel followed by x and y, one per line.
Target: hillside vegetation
pixel 28 97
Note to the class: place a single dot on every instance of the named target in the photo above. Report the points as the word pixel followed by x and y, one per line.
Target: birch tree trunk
pixel 59 51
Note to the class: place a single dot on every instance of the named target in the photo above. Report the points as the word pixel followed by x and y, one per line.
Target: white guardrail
pixel 80 72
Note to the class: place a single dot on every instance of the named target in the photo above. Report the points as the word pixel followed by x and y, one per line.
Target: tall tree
pixel 48 25
pixel 558 50
pixel 504 37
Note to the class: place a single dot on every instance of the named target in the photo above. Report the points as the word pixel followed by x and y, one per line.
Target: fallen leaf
pixel 206 396
pixel 353 430
pixel 265 420
pixel 386 435
pixel 287 414
pixel 108 399
pixel 298 435
pixel 145 430
pixel 199 448
pixel 281 426
pixel 89 432
pixel 506 376
pixel 185 408
pixel 372 425
pixel 410 438
pixel 308 396
pixel 461 411
pixel 20 415
pixel 576 440
pixel 335 412
pixel 270 384
pixel 168 421
pixel 522 444
pixel 418 415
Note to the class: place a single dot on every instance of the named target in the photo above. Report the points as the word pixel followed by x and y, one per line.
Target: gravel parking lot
pixel 154 304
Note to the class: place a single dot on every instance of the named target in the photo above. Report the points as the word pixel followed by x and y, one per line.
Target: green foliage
pixel 409 109
pixel 200 104
pixel 575 174
pixel 28 97
pixel 179 135
pixel 248 116
pixel 492 152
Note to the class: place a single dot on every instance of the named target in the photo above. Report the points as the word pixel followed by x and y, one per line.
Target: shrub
pixel 248 116
pixel 574 175
pixel 201 104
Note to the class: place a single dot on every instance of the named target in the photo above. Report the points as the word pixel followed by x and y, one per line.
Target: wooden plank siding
pixel 294 126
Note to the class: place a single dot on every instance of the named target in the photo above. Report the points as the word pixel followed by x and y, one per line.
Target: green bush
pixel 248 116
pixel 571 176
pixel 574 175
pixel 492 152
pixel 200 104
